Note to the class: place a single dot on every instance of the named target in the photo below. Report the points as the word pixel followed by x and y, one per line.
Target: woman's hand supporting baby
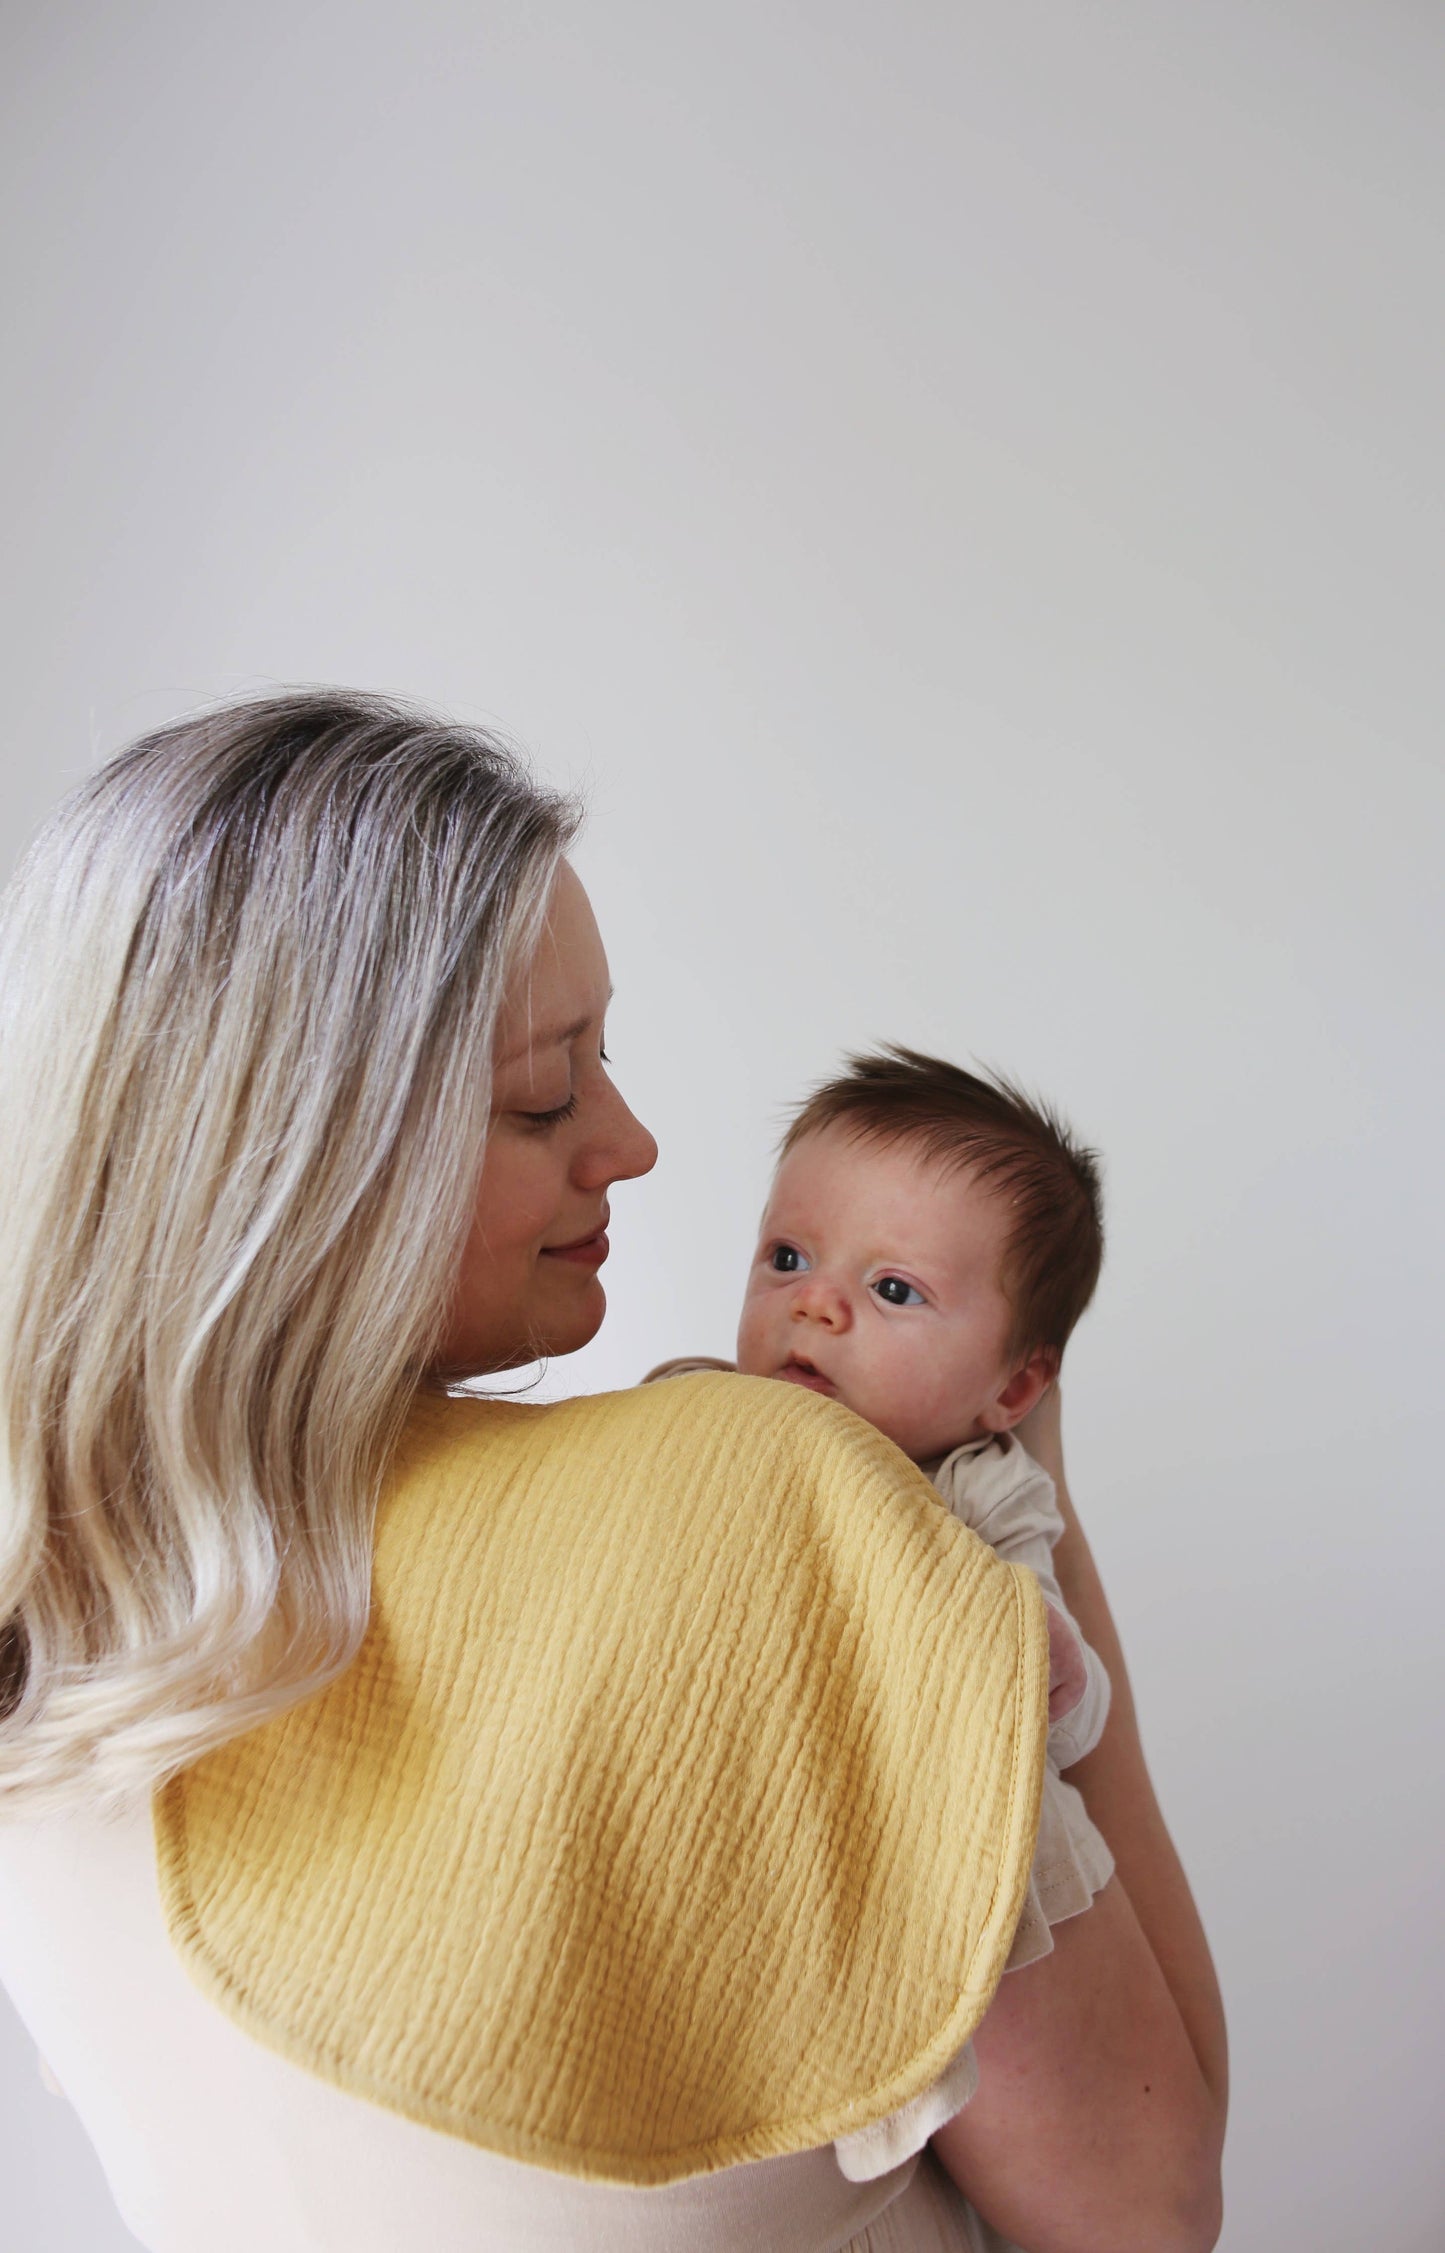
pixel 1118 1792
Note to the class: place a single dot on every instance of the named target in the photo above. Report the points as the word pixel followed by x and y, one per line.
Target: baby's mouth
pixel 799 1370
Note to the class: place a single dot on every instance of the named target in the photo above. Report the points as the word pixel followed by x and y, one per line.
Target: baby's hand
pixel 1068 1679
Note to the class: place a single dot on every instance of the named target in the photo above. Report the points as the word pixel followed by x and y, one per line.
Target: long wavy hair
pixel 249 978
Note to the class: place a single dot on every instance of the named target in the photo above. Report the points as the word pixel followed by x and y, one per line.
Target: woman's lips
pixel 588 1251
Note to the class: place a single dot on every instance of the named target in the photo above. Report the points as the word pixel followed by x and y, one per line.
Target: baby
pixel 930 1240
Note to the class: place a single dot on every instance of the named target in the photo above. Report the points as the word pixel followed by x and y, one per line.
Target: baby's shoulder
pixel 690 1365
pixel 999 1481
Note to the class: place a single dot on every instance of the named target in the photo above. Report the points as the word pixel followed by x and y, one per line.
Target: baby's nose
pixel 818 1300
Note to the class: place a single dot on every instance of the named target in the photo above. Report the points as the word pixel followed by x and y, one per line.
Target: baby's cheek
pixel 934 1398
pixel 750 1353
pixel 897 1389
pixel 929 1381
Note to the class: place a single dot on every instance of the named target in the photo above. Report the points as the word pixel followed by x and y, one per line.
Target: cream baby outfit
pixel 725 1985
pixel 994 1485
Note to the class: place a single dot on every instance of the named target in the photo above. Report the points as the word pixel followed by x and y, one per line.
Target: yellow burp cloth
pixel 677 1810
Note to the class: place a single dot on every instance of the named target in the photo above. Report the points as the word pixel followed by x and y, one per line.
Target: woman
pixel 306 1114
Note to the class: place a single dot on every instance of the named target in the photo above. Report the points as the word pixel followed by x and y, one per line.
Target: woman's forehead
pixel 565 987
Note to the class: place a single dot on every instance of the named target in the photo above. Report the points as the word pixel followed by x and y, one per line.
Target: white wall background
pixel 960 485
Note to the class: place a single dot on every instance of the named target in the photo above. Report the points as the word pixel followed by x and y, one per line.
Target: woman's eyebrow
pixel 562 1037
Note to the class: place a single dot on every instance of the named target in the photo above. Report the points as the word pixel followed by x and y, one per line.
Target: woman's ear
pixel 1021 1391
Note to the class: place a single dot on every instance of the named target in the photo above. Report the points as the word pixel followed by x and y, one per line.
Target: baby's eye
pixel 786 1259
pixel 895 1292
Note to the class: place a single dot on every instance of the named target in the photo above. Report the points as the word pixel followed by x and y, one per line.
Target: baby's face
pixel 876 1281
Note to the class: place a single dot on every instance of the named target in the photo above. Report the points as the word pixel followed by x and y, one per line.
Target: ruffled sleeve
pixel 1071 1864
pixel 877 2150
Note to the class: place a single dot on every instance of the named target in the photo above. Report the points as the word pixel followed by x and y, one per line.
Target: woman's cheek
pixel 543 1175
pixel 517 1198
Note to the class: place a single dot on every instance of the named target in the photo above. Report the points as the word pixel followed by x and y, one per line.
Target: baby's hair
pixel 987 1127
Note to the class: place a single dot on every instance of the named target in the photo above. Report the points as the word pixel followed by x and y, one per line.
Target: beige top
pixel 212 2143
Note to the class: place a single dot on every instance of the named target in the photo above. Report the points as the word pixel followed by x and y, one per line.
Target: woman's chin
pixel 548 1336
pixel 568 1331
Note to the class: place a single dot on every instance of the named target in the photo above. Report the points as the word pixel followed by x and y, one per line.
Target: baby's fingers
pixel 1068 1678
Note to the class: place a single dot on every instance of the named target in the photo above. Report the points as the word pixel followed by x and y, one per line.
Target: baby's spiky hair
pixel 987 1127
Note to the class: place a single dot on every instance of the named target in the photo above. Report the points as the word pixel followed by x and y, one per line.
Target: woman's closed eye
pixel 895 1292
pixel 541 1120
pixel 559 1112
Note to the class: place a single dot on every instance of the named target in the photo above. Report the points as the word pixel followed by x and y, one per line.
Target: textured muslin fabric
pixel 677 1811
pixel 995 1486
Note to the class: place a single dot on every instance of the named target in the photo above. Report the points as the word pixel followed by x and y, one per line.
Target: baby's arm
pixel 1068 1665
pixel 1080 1724
pixel 1021 1524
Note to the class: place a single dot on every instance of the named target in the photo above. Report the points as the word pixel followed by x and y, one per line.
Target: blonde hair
pixel 249 976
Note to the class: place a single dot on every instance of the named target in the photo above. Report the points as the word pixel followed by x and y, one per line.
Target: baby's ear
pixel 1022 1391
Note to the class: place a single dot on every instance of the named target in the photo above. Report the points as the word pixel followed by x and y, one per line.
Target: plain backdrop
pixel 959 487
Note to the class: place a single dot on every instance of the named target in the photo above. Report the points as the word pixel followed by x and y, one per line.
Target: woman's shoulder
pixel 765 1487
pixel 705 1424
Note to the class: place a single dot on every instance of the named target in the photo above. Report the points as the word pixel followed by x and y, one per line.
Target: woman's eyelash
pixel 563 1111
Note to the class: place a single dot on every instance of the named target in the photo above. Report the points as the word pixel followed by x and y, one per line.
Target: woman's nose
pixel 641 1149
pixel 621 1153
